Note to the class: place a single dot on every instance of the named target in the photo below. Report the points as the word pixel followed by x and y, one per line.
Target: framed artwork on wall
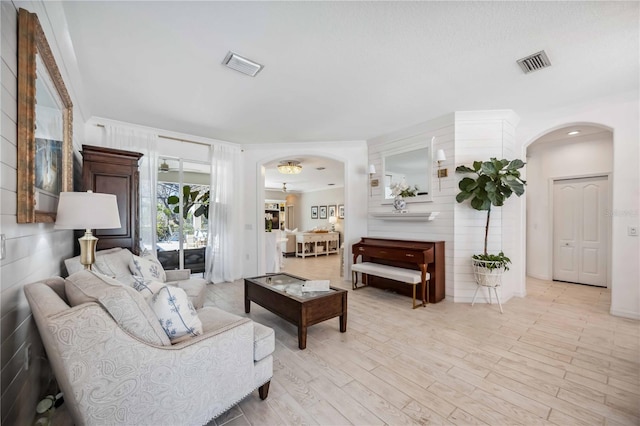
pixel 314 212
pixel 341 211
pixel 323 212
pixel 45 115
pixel 332 210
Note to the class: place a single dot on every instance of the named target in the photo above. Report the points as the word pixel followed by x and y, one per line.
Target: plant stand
pixel 486 276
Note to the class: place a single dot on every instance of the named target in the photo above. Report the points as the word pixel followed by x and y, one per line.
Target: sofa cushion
pixel 215 320
pixel 176 314
pixel 127 307
pixel 147 268
pixel 73 264
pixel 195 289
pixel 147 288
pixel 112 263
pixel 264 341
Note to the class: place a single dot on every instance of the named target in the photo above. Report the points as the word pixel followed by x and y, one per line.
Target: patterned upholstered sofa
pixel 115 263
pixel 114 367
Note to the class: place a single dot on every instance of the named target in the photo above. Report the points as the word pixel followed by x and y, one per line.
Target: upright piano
pixel 404 254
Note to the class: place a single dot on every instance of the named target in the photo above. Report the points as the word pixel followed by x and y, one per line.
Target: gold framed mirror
pixel 45 116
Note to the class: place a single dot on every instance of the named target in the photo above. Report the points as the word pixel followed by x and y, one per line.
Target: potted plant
pixel 495 181
pixel 399 190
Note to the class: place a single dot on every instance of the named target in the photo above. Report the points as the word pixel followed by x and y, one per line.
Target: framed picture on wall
pixel 341 211
pixel 323 212
pixel 314 212
pixel 332 210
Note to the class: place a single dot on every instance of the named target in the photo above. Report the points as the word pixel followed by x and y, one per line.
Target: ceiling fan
pixel 164 167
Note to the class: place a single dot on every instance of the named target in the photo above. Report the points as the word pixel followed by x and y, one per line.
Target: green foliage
pixel 495 181
pixel 499 260
pixel 409 192
pixel 191 199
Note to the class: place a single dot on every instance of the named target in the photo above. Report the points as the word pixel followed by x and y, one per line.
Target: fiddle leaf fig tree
pixel 495 181
pixel 191 198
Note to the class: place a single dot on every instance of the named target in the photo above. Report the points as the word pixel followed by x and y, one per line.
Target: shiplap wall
pixel 479 136
pixel 465 137
pixel 443 200
pixel 34 251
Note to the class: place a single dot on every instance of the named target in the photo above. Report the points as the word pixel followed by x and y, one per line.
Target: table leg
pixel 343 317
pixel 302 337
pixel 247 305
pixel 425 284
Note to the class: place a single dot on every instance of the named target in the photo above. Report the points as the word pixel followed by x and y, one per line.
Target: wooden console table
pixel 417 255
pixel 315 243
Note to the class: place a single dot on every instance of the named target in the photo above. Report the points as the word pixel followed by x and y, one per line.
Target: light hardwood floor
pixel 553 357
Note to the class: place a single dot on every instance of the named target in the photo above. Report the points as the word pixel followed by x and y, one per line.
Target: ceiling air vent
pixel 534 62
pixel 240 64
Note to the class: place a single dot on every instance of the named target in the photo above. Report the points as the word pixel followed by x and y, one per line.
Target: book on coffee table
pixel 315 285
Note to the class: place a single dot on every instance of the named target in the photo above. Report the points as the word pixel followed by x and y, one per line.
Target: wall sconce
pixel 372 182
pixel 442 173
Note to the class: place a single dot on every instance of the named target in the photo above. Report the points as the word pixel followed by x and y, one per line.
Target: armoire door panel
pixel 121 186
pixel 113 171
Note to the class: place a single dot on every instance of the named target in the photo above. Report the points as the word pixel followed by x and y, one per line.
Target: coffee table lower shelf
pixel 300 311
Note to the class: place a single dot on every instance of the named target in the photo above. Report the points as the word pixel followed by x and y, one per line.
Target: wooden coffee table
pixel 282 294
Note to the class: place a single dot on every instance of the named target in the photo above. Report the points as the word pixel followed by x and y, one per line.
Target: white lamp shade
pixel 333 220
pixel 440 155
pixel 372 169
pixel 87 210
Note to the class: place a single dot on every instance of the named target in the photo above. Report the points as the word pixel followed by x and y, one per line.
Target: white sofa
pixel 115 263
pixel 110 373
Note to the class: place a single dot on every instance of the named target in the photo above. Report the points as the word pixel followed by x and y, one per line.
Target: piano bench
pixel 408 276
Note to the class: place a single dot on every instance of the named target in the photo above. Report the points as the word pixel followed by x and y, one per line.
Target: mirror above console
pixel 410 162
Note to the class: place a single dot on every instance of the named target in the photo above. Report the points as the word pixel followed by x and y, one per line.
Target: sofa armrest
pixel 110 375
pixel 178 274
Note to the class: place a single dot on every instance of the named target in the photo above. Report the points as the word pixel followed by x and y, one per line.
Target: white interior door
pixel 580 230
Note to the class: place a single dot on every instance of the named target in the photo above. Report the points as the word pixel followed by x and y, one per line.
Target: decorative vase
pixel 399 203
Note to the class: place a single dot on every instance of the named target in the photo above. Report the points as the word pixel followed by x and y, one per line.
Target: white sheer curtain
pixel 223 214
pixel 147 144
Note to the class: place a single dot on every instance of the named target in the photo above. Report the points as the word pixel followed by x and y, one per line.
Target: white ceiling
pixel 342 70
pixel 310 179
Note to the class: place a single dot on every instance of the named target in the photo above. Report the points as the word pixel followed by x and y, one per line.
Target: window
pixel 182 223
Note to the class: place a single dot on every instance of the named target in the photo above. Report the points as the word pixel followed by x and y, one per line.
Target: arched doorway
pixel 290 200
pixel 569 172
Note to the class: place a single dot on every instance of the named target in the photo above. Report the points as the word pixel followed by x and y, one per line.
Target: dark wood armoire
pixel 114 171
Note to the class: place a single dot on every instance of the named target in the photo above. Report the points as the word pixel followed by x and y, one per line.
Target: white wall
pixel 620 114
pixel 481 135
pixel 577 156
pixel 464 137
pixel 34 251
pixel 325 197
pixel 440 229
pixel 354 156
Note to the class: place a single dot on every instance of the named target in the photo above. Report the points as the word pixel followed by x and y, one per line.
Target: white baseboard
pixel 625 314
pixel 539 277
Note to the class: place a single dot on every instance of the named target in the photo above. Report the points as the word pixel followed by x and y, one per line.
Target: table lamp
pixel 333 220
pixel 87 210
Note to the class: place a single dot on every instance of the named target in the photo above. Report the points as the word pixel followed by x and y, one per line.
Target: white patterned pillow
pixel 176 314
pixel 127 307
pixel 147 288
pixel 148 268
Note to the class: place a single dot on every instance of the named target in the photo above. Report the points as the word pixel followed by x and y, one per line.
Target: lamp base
pixel 87 249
